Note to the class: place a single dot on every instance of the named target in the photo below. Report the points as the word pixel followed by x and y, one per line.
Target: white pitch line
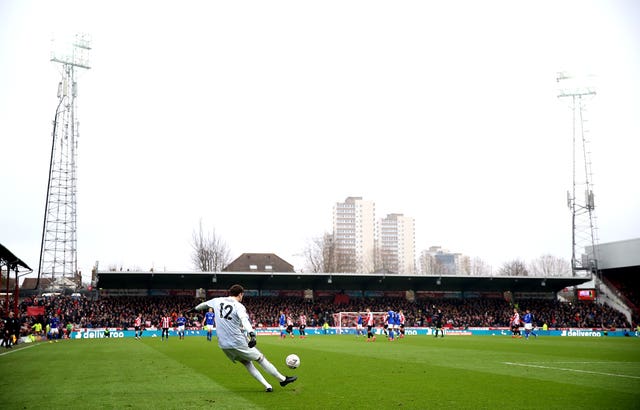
pixel 633 363
pixel 571 370
pixel 17 350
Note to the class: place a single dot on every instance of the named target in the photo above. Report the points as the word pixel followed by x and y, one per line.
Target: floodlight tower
pixel 58 248
pixel 580 199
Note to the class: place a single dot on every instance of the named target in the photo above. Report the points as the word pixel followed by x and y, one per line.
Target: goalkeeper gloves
pixel 252 340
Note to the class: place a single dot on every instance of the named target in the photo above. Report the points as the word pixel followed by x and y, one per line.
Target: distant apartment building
pixel 354 235
pixel 438 261
pixel 396 244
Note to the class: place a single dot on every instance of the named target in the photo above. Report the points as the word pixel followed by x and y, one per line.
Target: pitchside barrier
pixel 98 333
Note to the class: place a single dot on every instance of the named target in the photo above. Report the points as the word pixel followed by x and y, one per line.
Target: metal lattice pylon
pixel 58 250
pixel 580 200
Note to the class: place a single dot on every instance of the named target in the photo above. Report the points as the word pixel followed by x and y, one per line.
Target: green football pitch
pixel 338 371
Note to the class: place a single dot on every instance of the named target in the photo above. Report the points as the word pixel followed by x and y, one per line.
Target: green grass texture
pixel 336 372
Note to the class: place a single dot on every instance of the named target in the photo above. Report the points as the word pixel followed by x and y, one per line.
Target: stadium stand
pixel 120 311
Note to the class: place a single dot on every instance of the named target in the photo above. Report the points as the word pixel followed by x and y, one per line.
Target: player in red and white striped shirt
pixel 289 325
pixel 302 326
pixel 369 323
pixel 137 324
pixel 515 324
pixel 165 323
pixel 401 318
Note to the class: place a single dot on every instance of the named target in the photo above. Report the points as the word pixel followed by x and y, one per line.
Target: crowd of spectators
pixel 628 288
pixel 464 313
pixel 120 311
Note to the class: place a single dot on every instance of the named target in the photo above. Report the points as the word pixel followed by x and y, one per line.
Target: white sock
pixel 256 374
pixel 271 369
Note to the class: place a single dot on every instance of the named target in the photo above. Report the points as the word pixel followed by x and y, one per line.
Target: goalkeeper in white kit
pixel 232 328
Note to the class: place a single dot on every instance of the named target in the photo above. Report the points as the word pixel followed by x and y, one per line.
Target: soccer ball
pixel 292 361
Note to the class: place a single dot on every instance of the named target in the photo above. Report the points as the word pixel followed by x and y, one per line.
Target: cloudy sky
pixel 256 117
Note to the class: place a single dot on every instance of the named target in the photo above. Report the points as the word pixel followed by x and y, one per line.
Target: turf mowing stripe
pixel 571 370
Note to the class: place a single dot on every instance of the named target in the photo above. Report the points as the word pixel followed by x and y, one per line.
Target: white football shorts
pixel 243 353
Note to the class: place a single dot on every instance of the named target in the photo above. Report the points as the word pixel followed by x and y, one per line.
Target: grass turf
pixel 336 372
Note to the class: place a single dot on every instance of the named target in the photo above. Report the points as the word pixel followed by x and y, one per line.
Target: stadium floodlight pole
pixel 583 230
pixel 58 247
pixel 46 206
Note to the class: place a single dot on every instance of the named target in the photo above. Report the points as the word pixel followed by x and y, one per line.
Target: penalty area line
pixel 537 366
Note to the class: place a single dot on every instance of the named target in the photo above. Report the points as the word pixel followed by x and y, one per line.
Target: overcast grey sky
pixel 258 116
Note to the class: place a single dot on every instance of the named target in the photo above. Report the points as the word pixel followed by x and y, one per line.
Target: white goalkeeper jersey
pixel 232 322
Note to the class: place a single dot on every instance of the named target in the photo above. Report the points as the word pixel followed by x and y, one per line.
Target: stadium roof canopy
pixel 7 258
pixel 330 281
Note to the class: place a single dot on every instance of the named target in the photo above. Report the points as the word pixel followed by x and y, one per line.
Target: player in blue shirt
pixel 54 324
pixel 528 324
pixel 282 323
pixel 209 322
pixel 395 323
pixel 181 321
pixel 391 322
pixel 359 330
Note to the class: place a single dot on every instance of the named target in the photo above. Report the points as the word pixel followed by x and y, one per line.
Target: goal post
pixel 350 319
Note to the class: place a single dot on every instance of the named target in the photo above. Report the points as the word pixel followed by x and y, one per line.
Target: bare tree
pixel 210 252
pixel 378 258
pixel 479 267
pixel 549 265
pixel 321 254
pixel 514 268
pixel 465 265
pixel 428 264
pixel 344 260
pixel 329 253
pixel 324 255
pixel 369 262
pixel 313 255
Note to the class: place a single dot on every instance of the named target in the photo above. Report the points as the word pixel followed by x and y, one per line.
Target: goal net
pixel 350 319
